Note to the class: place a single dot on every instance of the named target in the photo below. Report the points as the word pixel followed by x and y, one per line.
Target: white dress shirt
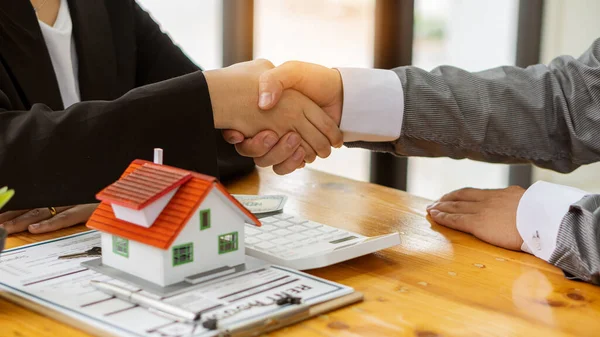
pixel 373 111
pixel 373 105
pixel 61 47
pixel 539 214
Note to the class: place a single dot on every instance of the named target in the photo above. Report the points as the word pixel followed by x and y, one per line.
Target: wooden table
pixel 438 282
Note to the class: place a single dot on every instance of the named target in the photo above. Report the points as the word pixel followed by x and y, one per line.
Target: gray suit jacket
pixel 545 115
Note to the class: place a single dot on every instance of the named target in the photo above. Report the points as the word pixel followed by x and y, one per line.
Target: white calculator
pixel 294 242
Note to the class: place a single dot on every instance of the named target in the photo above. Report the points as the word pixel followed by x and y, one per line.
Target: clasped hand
pixel 282 117
pixel 490 215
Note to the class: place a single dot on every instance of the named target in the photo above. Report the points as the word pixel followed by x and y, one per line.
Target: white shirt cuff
pixel 373 105
pixel 540 213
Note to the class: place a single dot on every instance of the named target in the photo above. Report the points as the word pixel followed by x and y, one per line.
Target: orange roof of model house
pixel 192 191
pixel 143 186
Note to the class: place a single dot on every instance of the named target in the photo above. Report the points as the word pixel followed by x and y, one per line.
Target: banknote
pixel 259 204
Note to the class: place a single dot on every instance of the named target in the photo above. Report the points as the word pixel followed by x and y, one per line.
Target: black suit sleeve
pixel 54 158
pixel 158 58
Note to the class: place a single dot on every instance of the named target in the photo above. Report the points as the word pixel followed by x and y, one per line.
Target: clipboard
pixel 274 323
pixel 70 301
pixel 255 328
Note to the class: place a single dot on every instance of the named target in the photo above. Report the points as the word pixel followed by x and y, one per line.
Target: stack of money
pixel 262 204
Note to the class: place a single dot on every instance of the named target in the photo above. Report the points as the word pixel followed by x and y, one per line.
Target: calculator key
pixel 266 236
pixel 265 245
pixel 251 241
pixel 295 244
pixel 296 237
pixel 327 229
pixel 308 241
pixel 283 250
pixel 312 232
pixel 277 249
pixel 312 224
pixel 250 231
pixel 283 216
pixel 267 228
pixel 324 237
pixel 297 220
pixel 297 228
pixel 281 241
pixel 282 232
pixel 283 224
pixel 269 219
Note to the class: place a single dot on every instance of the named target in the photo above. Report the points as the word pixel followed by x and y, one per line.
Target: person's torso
pixel 104 41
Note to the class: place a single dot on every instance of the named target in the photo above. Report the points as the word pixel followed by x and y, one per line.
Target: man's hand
pixel 264 142
pixel 490 215
pixel 235 106
pixel 40 220
pixel 322 85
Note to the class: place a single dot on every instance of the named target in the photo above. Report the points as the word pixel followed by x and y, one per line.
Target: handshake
pixel 282 117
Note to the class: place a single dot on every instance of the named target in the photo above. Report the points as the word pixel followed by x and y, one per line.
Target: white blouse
pixel 61 46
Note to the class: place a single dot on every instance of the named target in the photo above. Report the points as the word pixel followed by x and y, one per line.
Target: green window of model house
pixel 204 219
pixel 183 254
pixel 120 246
pixel 228 242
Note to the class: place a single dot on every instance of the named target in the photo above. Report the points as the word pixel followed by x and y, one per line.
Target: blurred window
pixel 473 35
pixel 196 26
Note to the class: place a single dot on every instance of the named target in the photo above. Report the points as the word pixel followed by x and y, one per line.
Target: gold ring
pixel 53 211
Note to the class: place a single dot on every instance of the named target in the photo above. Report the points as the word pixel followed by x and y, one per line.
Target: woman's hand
pixel 40 220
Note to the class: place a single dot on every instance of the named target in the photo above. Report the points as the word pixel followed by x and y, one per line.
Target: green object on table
pixel 5 195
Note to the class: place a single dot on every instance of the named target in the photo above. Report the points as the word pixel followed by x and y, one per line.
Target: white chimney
pixel 158 156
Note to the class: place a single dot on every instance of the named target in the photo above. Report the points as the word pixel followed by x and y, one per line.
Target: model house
pixel 167 225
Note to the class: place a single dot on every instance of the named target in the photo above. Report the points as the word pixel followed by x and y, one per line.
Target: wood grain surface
pixel 438 282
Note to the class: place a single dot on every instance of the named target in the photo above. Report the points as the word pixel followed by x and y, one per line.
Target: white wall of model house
pixel 225 218
pixel 144 261
pixel 156 265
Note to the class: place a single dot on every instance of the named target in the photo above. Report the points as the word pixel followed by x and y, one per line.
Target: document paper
pixel 35 273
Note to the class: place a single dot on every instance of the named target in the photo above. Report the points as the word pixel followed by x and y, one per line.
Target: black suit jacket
pixel 138 91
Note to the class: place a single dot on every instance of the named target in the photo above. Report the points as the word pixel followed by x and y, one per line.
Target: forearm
pixel 65 157
pixel 542 114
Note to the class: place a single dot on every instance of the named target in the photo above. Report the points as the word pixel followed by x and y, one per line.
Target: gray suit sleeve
pixel 546 115
pixel 578 243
